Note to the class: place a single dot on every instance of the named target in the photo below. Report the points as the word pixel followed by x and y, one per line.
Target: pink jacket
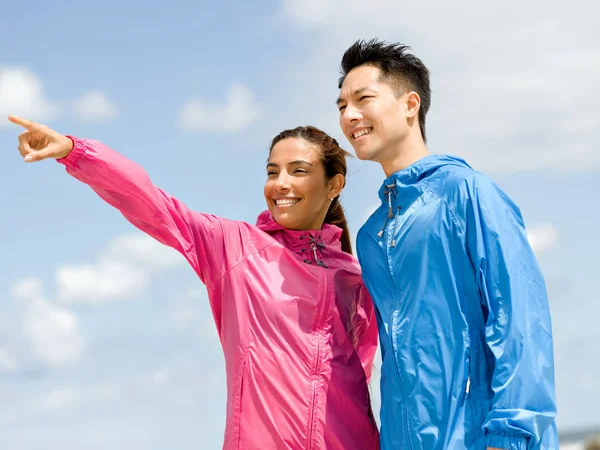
pixel 295 379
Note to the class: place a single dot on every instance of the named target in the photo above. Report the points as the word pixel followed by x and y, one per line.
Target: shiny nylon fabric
pixel 282 300
pixel 462 314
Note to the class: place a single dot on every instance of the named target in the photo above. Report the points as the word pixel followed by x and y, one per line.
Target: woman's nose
pixel 283 182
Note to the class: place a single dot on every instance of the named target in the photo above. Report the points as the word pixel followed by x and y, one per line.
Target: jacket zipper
pixel 313 401
pixel 392 238
pixel 468 373
pixel 315 375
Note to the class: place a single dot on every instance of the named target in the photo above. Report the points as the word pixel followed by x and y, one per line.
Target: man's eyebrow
pixel 355 93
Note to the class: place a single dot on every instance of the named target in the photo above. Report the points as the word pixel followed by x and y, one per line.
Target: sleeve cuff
pixel 73 157
pixel 506 442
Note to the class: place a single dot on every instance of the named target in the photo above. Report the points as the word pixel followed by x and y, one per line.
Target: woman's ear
pixel 336 184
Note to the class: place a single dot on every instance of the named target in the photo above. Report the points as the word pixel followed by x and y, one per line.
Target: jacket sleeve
pixel 366 331
pixel 518 328
pixel 127 187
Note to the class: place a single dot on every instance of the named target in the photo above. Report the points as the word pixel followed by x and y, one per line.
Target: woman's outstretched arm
pixel 125 185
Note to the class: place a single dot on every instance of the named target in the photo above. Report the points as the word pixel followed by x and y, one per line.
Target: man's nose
pixel 351 114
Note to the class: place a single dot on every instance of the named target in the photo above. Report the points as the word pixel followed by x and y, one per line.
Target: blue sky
pixel 106 338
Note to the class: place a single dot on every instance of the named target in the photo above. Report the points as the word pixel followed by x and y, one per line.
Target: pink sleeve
pixel 366 331
pixel 126 186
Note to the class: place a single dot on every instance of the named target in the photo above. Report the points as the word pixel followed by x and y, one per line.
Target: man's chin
pixel 363 154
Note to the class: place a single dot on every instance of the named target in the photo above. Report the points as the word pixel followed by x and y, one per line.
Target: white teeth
pixel 361 133
pixel 286 201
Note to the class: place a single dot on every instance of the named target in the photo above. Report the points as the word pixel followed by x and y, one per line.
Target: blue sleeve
pixel 518 329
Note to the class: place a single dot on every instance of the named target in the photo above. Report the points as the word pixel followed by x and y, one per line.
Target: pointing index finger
pixel 27 124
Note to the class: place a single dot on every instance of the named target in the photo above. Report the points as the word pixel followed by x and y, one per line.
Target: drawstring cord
pixel 314 244
pixel 390 214
pixel 389 189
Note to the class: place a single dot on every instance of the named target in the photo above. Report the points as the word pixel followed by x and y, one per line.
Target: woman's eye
pixel 364 97
pixel 271 173
pixel 300 171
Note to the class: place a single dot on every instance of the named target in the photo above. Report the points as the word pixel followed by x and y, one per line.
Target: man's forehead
pixel 360 79
pixel 363 75
pixel 353 91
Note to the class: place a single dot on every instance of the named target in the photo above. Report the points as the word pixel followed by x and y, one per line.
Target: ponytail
pixel 335 216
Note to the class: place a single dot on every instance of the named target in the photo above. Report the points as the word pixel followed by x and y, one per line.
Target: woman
pixel 294 318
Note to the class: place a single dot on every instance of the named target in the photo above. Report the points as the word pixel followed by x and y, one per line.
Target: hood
pixel 419 171
pixel 308 244
pixel 408 178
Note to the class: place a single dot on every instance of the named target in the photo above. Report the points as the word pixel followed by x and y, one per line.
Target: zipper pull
pixel 468 388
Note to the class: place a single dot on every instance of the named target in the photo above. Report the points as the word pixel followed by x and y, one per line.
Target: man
pixel 465 328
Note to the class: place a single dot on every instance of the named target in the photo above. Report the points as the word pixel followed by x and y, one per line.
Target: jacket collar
pixel 306 243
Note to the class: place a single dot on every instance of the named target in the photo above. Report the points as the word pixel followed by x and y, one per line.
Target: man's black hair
pixel 401 69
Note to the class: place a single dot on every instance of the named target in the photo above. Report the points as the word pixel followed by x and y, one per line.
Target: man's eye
pixel 364 97
pixel 271 173
pixel 300 171
pixel 341 108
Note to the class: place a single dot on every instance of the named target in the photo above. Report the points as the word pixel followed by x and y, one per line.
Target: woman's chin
pixel 287 220
pixel 282 219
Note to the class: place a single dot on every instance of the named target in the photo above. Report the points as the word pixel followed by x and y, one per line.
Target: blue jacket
pixel 463 315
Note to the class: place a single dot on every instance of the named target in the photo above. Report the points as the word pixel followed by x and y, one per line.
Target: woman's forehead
pixel 291 150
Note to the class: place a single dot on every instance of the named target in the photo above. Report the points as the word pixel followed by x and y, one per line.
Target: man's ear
pixel 413 104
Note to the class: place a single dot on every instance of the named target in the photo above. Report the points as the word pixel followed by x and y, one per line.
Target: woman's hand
pixel 41 142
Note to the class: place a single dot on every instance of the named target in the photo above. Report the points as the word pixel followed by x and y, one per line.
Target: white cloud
pixel 573 446
pixel 511 92
pixel 94 106
pixel 28 288
pixel 60 399
pixel 542 238
pixel 99 282
pixel 238 112
pixel 22 93
pixel 8 362
pixel 44 332
pixel 65 400
pixel 121 273
pixel 312 11
pixel 38 331
pixel 140 248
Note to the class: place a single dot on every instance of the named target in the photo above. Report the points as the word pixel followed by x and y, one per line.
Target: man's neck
pixel 405 155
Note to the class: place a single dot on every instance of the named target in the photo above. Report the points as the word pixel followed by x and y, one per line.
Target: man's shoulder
pixel 457 180
pixel 463 188
pixel 460 187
